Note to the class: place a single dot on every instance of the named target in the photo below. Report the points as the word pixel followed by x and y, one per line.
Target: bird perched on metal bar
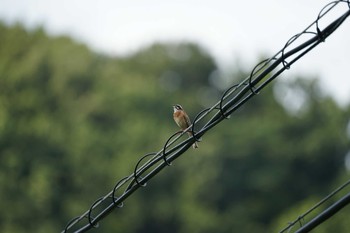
pixel 182 120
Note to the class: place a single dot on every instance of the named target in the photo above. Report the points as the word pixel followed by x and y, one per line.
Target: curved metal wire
pixel 233 98
pixel 166 145
pixel 136 169
pixel 114 199
pixel 90 218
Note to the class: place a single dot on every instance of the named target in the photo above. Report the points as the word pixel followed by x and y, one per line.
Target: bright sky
pixel 229 29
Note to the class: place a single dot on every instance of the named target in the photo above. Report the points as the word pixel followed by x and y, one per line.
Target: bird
pixel 183 121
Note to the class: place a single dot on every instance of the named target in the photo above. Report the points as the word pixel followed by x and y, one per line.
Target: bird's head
pixel 177 107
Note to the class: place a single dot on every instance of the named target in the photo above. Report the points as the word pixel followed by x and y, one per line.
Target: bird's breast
pixel 180 119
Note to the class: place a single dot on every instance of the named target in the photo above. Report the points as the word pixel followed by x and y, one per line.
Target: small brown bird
pixel 182 120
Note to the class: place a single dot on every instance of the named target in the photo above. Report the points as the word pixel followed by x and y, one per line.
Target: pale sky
pixel 230 30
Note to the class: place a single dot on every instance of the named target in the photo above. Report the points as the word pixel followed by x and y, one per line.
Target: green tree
pixel 73 122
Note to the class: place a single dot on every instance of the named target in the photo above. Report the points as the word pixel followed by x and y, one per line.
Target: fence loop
pixel 166 145
pixel 222 112
pixel 255 70
pixel 90 218
pixel 118 184
pixel 285 64
pixel 300 220
pixel 195 120
pixel 69 223
pixel 136 169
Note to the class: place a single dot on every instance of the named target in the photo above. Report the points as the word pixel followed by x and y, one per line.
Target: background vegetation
pixel 73 122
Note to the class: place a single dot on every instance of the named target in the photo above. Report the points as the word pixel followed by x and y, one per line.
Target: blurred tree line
pixel 73 122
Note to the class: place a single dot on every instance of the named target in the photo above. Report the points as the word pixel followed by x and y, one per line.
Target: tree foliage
pixel 72 122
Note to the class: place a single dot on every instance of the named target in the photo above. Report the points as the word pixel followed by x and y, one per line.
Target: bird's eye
pixel 178 107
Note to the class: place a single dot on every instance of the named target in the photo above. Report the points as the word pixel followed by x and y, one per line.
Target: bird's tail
pixel 195 144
